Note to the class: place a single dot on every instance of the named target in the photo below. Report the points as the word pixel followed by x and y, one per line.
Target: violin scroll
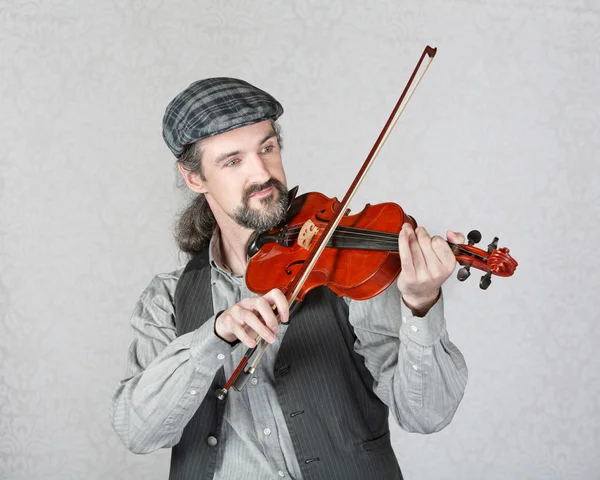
pixel 496 261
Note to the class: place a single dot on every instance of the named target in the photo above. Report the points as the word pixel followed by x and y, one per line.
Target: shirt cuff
pixel 424 330
pixel 207 350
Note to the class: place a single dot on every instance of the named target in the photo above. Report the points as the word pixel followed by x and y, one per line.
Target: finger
pixel 416 252
pixel 445 254
pixel 266 315
pixel 455 237
pixel 254 319
pixel 240 333
pixel 280 301
pixel 406 260
pixel 246 314
pixel 431 259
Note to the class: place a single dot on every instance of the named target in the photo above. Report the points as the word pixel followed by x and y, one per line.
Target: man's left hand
pixel 427 262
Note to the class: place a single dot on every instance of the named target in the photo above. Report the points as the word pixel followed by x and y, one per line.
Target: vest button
pixel 212 441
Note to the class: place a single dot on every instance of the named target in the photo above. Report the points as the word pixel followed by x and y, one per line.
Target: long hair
pixel 196 223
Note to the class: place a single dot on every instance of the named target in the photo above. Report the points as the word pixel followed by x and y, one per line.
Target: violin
pixel 361 258
pixel 356 256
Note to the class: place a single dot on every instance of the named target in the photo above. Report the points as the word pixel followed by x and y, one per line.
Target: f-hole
pixel 288 269
pixel 321 219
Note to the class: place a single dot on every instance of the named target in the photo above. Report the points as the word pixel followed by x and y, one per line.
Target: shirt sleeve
pixel 167 376
pixel 419 374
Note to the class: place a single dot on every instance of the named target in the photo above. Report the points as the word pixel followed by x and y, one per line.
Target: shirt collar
pixel 214 250
pixel 215 257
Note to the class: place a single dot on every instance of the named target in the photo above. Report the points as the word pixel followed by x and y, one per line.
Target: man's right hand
pixel 253 317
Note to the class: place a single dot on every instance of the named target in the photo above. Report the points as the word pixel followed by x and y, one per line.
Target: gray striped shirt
pixel 168 376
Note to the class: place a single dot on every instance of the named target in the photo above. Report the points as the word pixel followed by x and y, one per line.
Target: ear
pixel 193 180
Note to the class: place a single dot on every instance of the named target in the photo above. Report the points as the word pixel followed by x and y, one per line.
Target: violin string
pixel 379 240
pixel 391 238
pixel 355 231
pixel 347 239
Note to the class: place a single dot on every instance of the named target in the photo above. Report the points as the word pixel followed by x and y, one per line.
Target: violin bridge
pixel 307 233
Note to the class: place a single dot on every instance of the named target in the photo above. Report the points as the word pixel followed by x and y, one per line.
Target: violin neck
pixel 359 239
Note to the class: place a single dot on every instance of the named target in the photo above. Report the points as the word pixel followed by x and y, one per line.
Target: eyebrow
pixel 224 156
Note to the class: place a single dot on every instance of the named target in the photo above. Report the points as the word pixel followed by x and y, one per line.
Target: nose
pixel 259 171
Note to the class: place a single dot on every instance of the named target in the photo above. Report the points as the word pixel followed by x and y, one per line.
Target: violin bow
pixel 241 373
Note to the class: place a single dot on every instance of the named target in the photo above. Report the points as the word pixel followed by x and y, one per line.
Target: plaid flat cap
pixel 212 106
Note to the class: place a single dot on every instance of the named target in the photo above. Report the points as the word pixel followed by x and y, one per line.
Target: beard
pixel 275 207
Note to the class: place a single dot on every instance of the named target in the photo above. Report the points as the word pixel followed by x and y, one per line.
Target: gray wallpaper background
pixel 502 135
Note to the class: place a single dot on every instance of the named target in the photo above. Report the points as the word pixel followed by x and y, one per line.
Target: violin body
pixel 360 261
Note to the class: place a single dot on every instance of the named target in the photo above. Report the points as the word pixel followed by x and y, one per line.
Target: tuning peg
pixel 485 281
pixel 464 272
pixel 493 246
pixel 474 237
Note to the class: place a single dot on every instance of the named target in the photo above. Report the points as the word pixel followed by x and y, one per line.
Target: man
pixel 318 404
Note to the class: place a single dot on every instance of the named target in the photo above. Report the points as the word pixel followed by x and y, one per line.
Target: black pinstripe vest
pixel 338 426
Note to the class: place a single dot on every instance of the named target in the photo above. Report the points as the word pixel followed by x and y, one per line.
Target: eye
pixel 267 149
pixel 232 163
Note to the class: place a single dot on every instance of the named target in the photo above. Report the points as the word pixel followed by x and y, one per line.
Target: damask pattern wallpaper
pixel 502 136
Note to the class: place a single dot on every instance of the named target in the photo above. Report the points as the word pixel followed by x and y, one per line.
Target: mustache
pixel 257 187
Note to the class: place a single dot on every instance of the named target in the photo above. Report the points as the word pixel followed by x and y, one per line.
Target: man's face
pixel 244 177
